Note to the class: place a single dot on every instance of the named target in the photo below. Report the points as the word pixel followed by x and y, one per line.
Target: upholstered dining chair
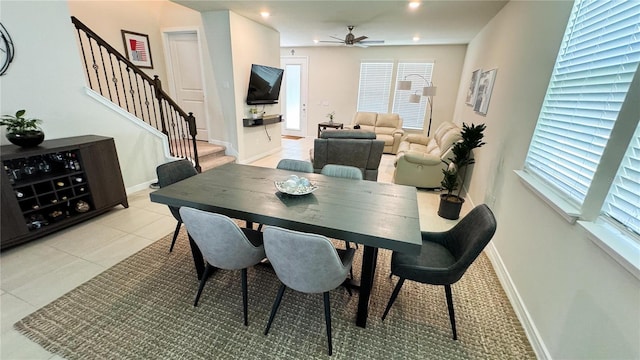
pixel 223 245
pixel 295 165
pixel 171 173
pixel 307 263
pixel 342 171
pixel 445 256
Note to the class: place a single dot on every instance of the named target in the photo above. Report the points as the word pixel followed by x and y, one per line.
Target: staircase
pixel 212 156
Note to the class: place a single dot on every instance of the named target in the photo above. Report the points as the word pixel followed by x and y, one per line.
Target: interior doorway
pixel 294 95
pixel 184 69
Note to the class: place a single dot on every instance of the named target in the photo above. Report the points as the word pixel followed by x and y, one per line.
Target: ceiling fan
pixel 351 40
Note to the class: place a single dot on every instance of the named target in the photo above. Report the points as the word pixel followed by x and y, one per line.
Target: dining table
pixel 373 214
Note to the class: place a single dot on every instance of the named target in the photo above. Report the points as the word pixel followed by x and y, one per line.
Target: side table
pixel 333 125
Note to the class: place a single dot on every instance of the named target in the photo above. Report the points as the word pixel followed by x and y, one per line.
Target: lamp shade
pixel 404 85
pixel 429 91
pixel 414 98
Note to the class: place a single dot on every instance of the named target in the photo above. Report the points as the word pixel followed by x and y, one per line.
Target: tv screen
pixel 264 85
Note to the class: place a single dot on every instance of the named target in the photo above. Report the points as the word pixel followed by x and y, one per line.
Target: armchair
pixel 419 159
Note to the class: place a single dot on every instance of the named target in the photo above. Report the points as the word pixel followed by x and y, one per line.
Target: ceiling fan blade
pixel 359 38
pixel 372 42
pixel 337 38
pixel 331 41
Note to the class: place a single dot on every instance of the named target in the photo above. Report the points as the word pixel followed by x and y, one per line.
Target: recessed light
pixel 414 4
pixel 264 14
pixel 315 41
pixel 416 38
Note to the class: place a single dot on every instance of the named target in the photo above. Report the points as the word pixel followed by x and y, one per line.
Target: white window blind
pixel 623 201
pixel 420 76
pixel 375 86
pixel 598 58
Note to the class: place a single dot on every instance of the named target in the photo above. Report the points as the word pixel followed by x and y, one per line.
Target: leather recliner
pixel 419 159
pixel 387 127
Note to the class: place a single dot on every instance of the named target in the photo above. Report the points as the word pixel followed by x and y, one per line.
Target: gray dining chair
pixel 223 245
pixel 171 173
pixel 445 256
pixel 295 165
pixel 307 263
pixel 342 171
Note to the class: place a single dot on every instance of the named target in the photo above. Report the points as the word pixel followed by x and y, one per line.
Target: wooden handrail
pixel 118 79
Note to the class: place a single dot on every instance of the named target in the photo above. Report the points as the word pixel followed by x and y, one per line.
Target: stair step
pixel 208 163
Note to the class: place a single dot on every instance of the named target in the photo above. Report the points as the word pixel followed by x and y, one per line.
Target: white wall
pixel 582 303
pixel 334 75
pixel 46 78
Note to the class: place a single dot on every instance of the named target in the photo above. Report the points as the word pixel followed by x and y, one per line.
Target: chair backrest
pixel 295 165
pixel 469 236
pixel 171 173
pixel 220 239
pixel 342 171
pixel 349 147
pixel 443 139
pixel 304 262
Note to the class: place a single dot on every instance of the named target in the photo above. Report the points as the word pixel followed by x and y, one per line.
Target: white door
pixel 294 95
pixel 185 70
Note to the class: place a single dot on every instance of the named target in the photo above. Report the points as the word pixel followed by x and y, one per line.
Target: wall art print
pixel 485 87
pixel 137 49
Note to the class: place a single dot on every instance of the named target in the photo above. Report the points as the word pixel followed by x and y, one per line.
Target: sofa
pixel 348 147
pixel 419 159
pixel 387 127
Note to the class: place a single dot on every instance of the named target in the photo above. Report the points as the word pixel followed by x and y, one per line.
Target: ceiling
pixel 301 22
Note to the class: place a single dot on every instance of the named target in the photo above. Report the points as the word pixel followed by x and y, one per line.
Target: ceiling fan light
pixel 404 85
pixel 414 98
pixel 429 91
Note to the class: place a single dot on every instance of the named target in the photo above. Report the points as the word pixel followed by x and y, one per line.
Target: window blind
pixel 375 86
pixel 598 58
pixel 623 202
pixel 412 114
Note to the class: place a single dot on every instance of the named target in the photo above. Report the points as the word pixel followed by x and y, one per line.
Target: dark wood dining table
pixel 376 215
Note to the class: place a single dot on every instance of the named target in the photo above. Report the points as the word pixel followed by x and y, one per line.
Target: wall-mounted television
pixel 264 85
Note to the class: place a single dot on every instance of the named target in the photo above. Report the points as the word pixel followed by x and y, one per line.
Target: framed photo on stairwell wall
pixel 137 49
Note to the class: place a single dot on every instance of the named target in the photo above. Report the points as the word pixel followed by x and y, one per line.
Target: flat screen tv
pixel 264 85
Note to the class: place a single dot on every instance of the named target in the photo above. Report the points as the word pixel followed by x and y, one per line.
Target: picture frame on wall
pixel 137 48
pixel 485 87
pixel 473 87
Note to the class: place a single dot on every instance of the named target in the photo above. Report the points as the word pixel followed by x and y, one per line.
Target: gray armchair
pixel 445 256
pixel 355 148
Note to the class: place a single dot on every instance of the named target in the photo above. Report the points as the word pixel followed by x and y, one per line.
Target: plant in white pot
pixel 450 203
pixel 22 131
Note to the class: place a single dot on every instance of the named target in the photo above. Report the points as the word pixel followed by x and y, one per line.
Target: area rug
pixel 142 308
pixel 291 137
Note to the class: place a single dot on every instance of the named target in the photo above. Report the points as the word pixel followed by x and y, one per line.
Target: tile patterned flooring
pixel 34 274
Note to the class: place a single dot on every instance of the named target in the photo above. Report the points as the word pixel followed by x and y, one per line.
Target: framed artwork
pixel 473 87
pixel 137 49
pixel 485 86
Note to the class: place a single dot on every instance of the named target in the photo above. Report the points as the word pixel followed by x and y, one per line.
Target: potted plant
pixel 450 203
pixel 330 116
pixel 22 131
pixel 254 112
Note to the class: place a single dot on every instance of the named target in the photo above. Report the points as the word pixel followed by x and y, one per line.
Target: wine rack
pixel 57 184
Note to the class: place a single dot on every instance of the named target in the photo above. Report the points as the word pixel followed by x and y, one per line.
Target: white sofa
pixel 387 127
pixel 419 159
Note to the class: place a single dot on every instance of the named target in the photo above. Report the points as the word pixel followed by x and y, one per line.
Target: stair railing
pixel 116 78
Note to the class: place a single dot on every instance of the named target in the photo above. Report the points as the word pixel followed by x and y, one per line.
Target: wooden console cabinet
pixel 57 184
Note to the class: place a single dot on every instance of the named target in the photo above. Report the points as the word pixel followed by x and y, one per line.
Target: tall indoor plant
pixel 456 171
pixel 22 131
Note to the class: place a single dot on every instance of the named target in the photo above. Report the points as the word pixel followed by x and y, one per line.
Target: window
pixel 375 90
pixel 420 75
pixel 597 61
pixel 588 113
pixel 375 86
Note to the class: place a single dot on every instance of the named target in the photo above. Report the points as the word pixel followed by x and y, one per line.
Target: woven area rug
pixel 142 308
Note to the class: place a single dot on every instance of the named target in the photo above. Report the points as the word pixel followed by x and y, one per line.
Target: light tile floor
pixel 34 274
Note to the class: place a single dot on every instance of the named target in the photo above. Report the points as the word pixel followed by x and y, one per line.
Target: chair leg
pixel 394 295
pixel 274 309
pixel 452 316
pixel 207 271
pixel 327 320
pixel 245 299
pixel 175 235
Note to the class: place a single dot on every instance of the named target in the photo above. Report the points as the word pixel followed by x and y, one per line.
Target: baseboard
pixel 136 188
pixel 258 157
pixel 516 302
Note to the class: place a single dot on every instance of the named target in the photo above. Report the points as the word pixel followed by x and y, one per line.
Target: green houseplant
pixel 22 131
pixel 456 171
